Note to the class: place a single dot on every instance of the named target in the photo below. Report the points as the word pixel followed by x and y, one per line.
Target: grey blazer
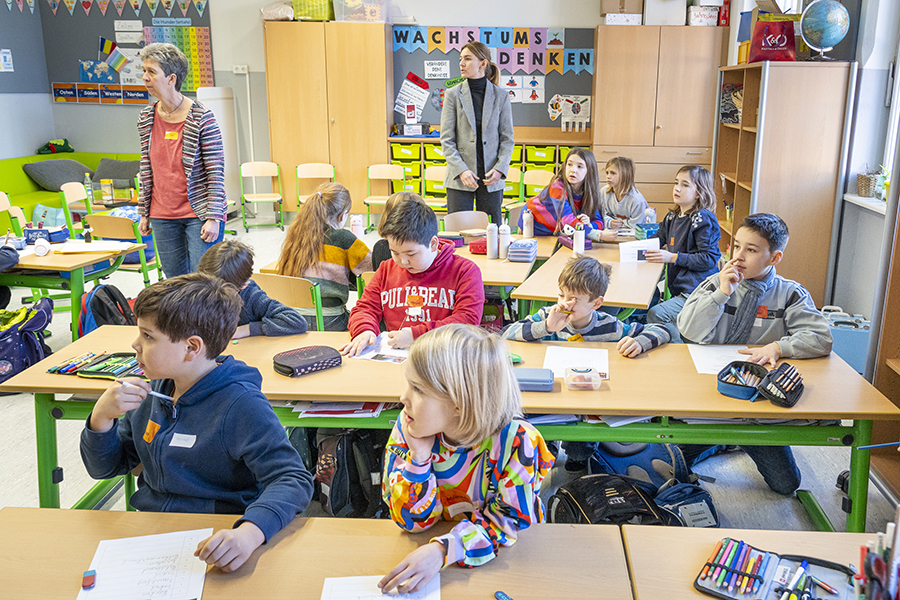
pixel 458 133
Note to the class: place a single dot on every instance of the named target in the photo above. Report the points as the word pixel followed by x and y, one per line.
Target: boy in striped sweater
pixel 575 318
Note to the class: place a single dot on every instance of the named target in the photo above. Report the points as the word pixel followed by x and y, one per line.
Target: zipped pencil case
pixel 737 570
pixel 782 386
pixel 112 366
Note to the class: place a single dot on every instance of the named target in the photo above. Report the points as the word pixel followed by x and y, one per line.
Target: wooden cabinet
pixel 654 101
pixel 784 157
pixel 327 86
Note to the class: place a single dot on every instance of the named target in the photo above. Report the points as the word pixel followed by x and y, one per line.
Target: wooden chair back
pixel 259 169
pixel 537 177
pixel 105 226
pixel 466 219
pixel 386 172
pixel 295 292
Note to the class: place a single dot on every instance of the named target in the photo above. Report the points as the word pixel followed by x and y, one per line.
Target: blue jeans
pixel 666 313
pixel 775 463
pixel 180 245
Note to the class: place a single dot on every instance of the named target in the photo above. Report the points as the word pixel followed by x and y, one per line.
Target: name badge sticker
pixel 183 440
pixel 171 135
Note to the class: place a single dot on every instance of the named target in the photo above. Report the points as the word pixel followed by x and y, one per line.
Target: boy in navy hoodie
pixel 425 286
pixel 215 446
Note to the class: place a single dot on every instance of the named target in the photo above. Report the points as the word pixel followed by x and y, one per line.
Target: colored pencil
pixel 754 562
pixel 714 557
pixel 728 549
pixel 765 565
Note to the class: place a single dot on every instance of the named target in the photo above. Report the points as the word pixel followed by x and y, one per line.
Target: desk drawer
pixel 655 154
pixel 657 172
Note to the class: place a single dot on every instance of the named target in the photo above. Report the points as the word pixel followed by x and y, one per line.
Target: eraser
pixel 88 579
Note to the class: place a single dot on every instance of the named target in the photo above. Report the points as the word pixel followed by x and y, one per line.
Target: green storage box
pixel 313 10
pixel 410 185
pixel 435 152
pixel 516 158
pixel 406 151
pixel 411 169
pixel 511 189
pixel 540 154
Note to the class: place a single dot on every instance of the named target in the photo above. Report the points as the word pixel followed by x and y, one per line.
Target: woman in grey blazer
pixel 477 135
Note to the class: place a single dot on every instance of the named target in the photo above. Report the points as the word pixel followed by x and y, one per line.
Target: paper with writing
pixel 710 359
pixel 559 358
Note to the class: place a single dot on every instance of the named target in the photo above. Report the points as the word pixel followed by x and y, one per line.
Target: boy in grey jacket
pixel 748 303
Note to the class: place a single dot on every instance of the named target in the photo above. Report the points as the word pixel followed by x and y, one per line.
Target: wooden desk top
pixel 664 561
pixel 663 381
pixel 631 285
pixel 572 561
pixel 70 262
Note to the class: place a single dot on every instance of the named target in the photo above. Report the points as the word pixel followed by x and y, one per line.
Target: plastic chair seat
pixel 262 197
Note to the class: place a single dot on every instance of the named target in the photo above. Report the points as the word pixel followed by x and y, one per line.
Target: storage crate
pixel 435 189
pixel 366 11
pixel 313 10
pixel 411 169
pixel 540 154
pixel 563 153
pixel 409 185
pixel 516 158
pixel 406 151
pixel 435 152
pixel 511 189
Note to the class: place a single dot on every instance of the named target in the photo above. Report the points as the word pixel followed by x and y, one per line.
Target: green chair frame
pixel 106 226
pixel 261 169
pixel 380 172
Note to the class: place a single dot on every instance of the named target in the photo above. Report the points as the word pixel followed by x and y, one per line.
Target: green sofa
pixel 27 194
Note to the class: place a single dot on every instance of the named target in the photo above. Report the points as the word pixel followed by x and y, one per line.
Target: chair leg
pixel 244 215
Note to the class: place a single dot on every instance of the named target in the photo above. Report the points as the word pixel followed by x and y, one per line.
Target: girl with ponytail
pixel 318 248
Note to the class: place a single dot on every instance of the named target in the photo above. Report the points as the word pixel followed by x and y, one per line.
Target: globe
pixel 824 24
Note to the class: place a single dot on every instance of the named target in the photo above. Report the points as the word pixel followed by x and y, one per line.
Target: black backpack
pixel 104 305
pixel 348 471
pixel 609 499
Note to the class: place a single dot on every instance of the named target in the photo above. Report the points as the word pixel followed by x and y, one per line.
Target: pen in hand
pixel 151 392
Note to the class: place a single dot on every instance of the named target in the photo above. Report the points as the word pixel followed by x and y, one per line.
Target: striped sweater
pixel 490 490
pixel 203 157
pixel 343 256
pixel 552 209
pixel 602 328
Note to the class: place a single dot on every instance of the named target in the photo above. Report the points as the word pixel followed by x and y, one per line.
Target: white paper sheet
pixel 410 93
pixel 366 588
pixel 559 358
pixel 381 352
pixel 149 567
pixel 711 359
pixel 633 251
pixel 619 420
pixel 99 246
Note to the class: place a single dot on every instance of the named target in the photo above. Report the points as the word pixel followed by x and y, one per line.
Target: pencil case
pixel 52 235
pixel 731 382
pixel 17 242
pixel 458 240
pixel 112 366
pixel 766 575
pixel 566 241
pixel 306 360
pixel 534 380
pixel 782 386
pixel 523 250
pixel 478 246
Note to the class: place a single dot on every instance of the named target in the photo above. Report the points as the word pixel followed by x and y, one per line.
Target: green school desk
pixel 547 561
pixel 24 274
pixel 664 561
pixel 662 382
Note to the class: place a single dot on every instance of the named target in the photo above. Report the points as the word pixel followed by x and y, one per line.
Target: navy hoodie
pixel 220 449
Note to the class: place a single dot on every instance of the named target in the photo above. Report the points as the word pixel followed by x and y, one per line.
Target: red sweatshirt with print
pixel 451 288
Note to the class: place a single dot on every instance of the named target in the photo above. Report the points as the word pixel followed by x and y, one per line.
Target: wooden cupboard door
pixel 689 61
pixel 297 99
pixel 359 77
pixel 625 69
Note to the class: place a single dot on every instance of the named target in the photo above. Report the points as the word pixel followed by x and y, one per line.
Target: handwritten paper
pixel 634 251
pixel 381 352
pixel 710 359
pixel 559 358
pixel 149 567
pixel 79 247
pixel 411 93
pixel 366 588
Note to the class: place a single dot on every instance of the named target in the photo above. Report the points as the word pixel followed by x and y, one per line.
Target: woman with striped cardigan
pixel 182 172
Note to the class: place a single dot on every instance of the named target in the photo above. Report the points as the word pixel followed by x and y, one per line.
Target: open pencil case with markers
pixel 782 385
pixel 763 575
pixel 112 366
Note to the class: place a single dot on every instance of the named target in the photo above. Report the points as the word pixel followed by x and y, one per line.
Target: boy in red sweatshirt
pixel 425 285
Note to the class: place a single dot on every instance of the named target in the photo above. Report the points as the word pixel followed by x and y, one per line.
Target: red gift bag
pixel 773 40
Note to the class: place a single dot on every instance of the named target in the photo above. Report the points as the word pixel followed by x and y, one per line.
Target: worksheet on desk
pixel 559 358
pixel 366 588
pixel 711 358
pixel 149 567
pixel 380 351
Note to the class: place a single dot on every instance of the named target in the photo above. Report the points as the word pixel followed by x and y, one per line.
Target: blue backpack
pixel 104 305
pixel 22 337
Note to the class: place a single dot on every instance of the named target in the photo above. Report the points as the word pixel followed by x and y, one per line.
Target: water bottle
pixel 493 246
pixel 356 225
pixel 527 224
pixel 89 187
pixel 578 241
pixel 505 240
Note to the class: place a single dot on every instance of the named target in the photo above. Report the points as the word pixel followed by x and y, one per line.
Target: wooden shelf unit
pixel 784 157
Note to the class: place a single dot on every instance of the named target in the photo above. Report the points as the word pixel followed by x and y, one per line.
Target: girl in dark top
pixel 690 235
pixel 476 135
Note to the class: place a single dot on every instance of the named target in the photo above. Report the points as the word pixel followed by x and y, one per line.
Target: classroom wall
pixel 26 121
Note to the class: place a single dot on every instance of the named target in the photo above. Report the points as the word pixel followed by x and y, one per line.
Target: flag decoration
pixel 120 5
pixel 136 5
pixel 116 60
pixel 21 4
pixel 54 4
pixel 184 5
pixel 106 46
pixel 70 4
pixel 9 5
pixel 200 5
pixel 152 4
pixel 168 4
pixel 31 5
pixel 86 5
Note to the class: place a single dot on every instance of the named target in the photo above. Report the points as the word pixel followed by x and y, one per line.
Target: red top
pixel 169 198
pixel 451 291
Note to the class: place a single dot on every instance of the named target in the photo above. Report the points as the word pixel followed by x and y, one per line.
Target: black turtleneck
pixel 477 87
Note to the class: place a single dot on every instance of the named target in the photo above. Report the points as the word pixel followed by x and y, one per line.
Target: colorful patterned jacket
pixel 551 210
pixel 203 157
pixel 491 490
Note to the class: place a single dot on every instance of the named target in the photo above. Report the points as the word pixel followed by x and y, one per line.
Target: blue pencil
pixel 878 445
pixel 726 575
pixel 762 572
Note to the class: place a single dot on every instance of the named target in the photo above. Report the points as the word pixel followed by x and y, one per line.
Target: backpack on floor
pixel 348 471
pixel 22 337
pixel 607 499
pixel 104 305
pixel 654 463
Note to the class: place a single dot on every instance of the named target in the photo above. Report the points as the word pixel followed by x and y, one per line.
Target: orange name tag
pixel 150 432
pixel 762 312
pixel 672 242
pixel 171 135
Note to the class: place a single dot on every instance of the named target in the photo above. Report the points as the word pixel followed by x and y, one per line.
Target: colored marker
pixel 762 569
pixel 714 557
pixel 794 580
pixel 828 588
pixel 69 362
pixel 798 590
pixel 729 548
pixel 736 582
pixel 754 562
pixel 732 559
pixel 739 565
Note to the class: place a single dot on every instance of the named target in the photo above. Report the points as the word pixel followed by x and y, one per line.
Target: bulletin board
pixel 72 30
pixel 20 34
pixel 524 58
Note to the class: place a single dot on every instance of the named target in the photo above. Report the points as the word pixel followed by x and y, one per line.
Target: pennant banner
pixel 120 6
pixel 54 4
pixel 152 4
pixel 184 5
pixel 31 5
pixel 200 5
pixel 9 5
pixel 136 5
pixel 103 5
pixel 168 5
pixel 436 39
pixel 21 4
pixel 86 5
pixel 70 4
